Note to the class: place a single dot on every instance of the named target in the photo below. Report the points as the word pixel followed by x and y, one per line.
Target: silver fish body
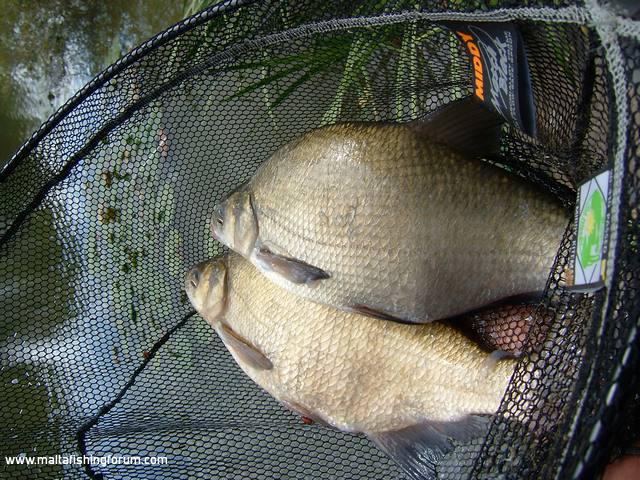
pixel 395 224
pixel 356 373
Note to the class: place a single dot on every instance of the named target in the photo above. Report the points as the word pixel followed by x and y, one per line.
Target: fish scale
pixel 403 224
pixel 355 372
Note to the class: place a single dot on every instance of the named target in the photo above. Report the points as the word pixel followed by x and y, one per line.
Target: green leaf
pixel 165 206
pixel 291 88
pixel 172 257
pixel 264 81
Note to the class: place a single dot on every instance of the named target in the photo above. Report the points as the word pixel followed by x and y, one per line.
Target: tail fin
pixel 417 449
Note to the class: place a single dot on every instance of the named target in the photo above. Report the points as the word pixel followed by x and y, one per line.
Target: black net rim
pixel 191 23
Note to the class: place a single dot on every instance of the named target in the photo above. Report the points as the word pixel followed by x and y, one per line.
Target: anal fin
pixel 292 269
pixel 247 352
pixel 417 449
pixel 376 313
pixel 526 298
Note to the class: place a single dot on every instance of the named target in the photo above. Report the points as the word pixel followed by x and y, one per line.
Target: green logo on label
pixel 591 230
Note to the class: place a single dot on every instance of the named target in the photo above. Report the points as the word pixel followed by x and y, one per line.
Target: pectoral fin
pixel 247 352
pixel 292 269
pixel 418 449
pixel 464 125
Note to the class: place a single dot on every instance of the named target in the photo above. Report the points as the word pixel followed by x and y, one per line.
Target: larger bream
pixel 391 220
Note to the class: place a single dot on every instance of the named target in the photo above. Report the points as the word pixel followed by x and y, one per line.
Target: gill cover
pixel 234 222
pixel 206 287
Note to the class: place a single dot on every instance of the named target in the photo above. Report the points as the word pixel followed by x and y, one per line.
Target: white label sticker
pixel 592 222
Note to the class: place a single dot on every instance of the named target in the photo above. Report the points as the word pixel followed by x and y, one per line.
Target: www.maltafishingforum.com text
pixel 84 459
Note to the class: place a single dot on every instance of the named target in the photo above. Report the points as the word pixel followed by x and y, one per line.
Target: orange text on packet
pixel 477 63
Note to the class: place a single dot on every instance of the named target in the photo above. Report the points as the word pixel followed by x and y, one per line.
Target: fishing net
pixel 105 207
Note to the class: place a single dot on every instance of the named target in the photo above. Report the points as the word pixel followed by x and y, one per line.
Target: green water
pixel 49 49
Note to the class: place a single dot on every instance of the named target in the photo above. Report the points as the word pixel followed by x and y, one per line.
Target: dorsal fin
pixel 247 352
pixel 464 125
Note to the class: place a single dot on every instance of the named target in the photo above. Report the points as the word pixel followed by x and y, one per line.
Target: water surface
pixel 49 49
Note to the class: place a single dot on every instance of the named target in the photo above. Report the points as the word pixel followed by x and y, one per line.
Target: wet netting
pixel 103 210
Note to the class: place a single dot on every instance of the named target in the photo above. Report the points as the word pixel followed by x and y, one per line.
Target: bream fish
pixel 409 388
pixel 396 221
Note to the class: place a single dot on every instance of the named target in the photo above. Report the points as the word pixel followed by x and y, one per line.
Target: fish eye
pixel 217 215
pixel 195 278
